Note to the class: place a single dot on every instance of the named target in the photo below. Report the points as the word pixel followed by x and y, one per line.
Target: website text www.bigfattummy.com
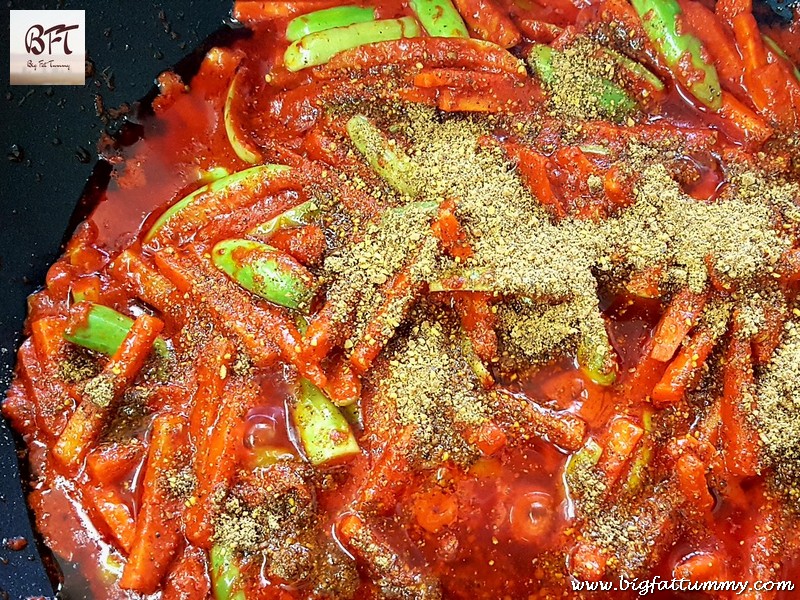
pixel 644 587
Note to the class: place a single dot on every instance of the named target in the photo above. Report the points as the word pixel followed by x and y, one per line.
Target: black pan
pixel 49 141
pixel 50 136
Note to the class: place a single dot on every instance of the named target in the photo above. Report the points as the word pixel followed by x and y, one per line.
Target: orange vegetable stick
pixel 539 31
pixel 683 371
pixel 88 287
pixel 533 171
pixel 702 566
pixel 188 579
pixel 621 439
pixel 387 477
pixel 109 463
pixel 217 467
pixel 749 41
pixel 158 524
pixel 115 514
pixel 560 427
pixel 48 339
pixel 145 282
pixel 344 386
pixel 89 419
pixel 398 292
pixel 487 21
pixel 435 509
pixel 741 453
pixel 676 322
pixel 691 477
pixel 740 123
pixel 449 231
pixel 212 368
pixel 477 319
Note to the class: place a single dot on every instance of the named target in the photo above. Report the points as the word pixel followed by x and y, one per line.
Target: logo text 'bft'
pixel 48 47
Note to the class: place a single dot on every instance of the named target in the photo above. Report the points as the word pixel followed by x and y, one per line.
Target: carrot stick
pixel 109 463
pixel 324 333
pixel 115 515
pixel 398 294
pixel 621 439
pixel 740 123
pixel 533 171
pixel 538 31
pixel 487 21
pixel 48 339
pixel 748 39
pixel 768 338
pixel 216 468
pixel 387 477
pixel 188 579
pixel 449 231
pixel 741 453
pixel 145 282
pixel 87 422
pixel 477 319
pixel 677 321
pixel 158 525
pixel 344 386
pixel 559 427
pixel 212 368
pixel 691 477
pixel 684 370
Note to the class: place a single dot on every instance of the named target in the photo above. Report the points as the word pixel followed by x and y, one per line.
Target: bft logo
pixel 48 47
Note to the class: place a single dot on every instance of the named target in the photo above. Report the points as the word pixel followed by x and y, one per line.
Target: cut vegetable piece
pixel 318 48
pixel 103 329
pixel 328 18
pixel 225 574
pixel 324 432
pixel 387 159
pixel 300 215
pixel 240 146
pixel 682 52
pixel 247 178
pixel 266 271
pixel 439 18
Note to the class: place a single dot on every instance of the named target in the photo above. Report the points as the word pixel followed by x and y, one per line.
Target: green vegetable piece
pixel 583 460
pixel 248 177
pixel 329 18
pixel 612 99
pixel 319 47
pixel 439 18
pixel 351 412
pixel 265 271
pixel 225 574
pixel 214 173
pixel 639 465
pixel 104 330
pixel 239 145
pixel 596 359
pixel 475 363
pixel 660 21
pixel 301 214
pixel 265 457
pixel 323 430
pixel 637 69
pixel 780 52
pixel 385 157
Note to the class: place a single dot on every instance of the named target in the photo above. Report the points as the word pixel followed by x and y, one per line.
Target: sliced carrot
pixel 109 463
pixel 435 509
pixel 158 524
pixel 539 31
pixel 749 41
pixel 489 22
pixel 130 269
pixel 188 578
pixel 478 321
pixel 677 321
pixel 691 477
pixel 344 386
pixel 684 370
pixel 559 427
pixel 740 123
pixel 116 515
pixel 533 170
pixel 87 422
pixel 449 231
pixel 741 451
pixel 620 441
pixel 48 339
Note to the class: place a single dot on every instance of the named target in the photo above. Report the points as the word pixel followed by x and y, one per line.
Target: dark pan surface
pixel 55 131
pixel 49 136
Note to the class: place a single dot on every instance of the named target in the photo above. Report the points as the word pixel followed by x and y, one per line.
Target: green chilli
pixel 266 271
pixel 302 214
pixel 439 18
pixel 249 177
pixel 385 157
pixel 240 146
pixel 323 430
pixel 225 574
pixel 660 21
pixel 319 47
pixel 104 330
pixel 329 18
